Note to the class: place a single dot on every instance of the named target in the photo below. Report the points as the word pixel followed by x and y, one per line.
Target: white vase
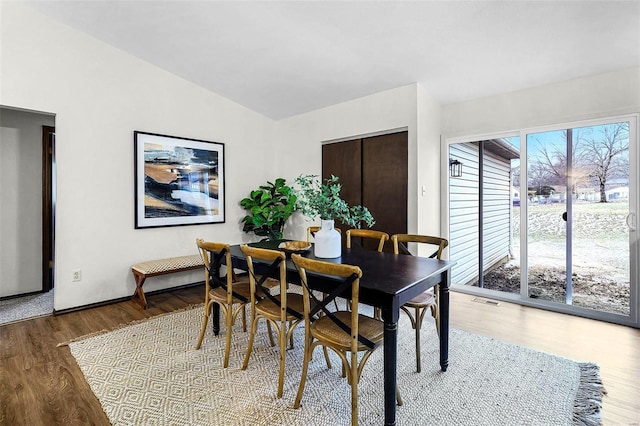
pixel 327 242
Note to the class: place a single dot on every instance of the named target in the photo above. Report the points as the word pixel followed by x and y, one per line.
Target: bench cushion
pixel 169 264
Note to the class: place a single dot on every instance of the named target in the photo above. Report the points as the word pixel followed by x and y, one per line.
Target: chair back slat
pixel 400 243
pixel 379 236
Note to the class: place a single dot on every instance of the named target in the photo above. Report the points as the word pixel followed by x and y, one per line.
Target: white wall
pixel 100 95
pixel 598 96
pixel 428 164
pixel 21 205
pixel 300 140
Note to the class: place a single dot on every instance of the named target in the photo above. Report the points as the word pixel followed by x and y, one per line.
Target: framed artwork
pixel 178 181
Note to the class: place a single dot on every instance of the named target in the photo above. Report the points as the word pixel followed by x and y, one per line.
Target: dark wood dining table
pixel 388 281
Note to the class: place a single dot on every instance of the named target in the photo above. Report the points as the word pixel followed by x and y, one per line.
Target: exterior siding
pixel 464 230
pixel 496 209
pixel 464 199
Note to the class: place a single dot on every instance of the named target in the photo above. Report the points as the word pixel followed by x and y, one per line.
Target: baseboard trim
pixel 123 299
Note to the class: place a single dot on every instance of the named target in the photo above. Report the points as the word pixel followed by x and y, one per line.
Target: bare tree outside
pixel 551 167
pixel 604 148
pixel 598 155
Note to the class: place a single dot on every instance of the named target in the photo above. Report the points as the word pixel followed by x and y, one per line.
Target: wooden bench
pixel 153 268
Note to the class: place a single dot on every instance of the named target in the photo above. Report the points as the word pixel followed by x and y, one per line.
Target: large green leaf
pixel 270 206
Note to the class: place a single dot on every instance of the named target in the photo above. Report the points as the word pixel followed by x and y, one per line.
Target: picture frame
pixel 178 181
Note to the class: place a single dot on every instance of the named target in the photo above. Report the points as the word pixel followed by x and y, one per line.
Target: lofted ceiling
pixel 283 58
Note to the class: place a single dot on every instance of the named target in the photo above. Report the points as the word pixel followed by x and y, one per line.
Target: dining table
pixel 388 281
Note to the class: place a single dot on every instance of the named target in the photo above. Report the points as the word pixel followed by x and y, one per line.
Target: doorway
pixel 27 153
pixel 558 209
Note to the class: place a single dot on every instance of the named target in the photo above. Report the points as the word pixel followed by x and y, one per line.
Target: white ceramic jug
pixel 327 243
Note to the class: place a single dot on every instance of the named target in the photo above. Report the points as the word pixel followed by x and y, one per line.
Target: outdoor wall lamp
pixel 455 168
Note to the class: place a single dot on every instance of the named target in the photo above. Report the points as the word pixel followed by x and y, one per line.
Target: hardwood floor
pixel 614 347
pixel 42 384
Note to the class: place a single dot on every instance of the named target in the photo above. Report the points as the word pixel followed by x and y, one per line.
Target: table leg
pixel 444 320
pixel 215 317
pixel 215 308
pixel 390 369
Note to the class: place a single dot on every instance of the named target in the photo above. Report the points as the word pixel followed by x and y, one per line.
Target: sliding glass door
pixel 579 221
pixel 548 217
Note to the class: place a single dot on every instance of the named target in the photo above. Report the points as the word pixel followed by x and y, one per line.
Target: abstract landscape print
pixel 178 181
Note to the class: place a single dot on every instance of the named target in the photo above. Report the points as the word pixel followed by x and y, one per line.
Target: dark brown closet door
pixel 344 159
pixel 384 181
pixel 373 172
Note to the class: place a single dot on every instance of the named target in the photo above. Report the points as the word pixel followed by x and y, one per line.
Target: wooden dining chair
pixel 427 300
pixel 283 311
pixel 231 294
pixel 377 237
pixel 347 332
pixel 367 234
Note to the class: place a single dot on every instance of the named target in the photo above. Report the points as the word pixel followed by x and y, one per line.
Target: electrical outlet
pixel 76 275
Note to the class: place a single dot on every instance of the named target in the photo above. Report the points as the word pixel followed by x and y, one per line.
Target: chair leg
pixel 291 336
pixel 205 320
pixel 305 368
pixel 273 343
pixel 436 317
pixel 282 341
pixel 353 378
pixel 326 356
pixel 227 348
pixel 252 334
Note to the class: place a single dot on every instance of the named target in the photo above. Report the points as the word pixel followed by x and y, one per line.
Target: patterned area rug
pixel 149 373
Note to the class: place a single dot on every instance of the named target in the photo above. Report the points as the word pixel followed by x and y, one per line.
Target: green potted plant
pixel 322 199
pixel 317 199
pixel 269 208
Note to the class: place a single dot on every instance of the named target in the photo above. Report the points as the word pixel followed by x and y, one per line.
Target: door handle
pixel 630 221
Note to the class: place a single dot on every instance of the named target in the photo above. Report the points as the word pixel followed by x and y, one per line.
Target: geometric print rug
pixel 149 373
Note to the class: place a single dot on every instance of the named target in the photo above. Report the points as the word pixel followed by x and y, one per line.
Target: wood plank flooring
pixel 42 384
pixel 614 347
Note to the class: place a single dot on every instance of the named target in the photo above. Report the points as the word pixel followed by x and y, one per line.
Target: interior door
pixel 384 182
pixel 344 159
pixel 580 223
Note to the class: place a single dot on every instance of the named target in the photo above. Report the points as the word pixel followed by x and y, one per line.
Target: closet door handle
pixel 631 221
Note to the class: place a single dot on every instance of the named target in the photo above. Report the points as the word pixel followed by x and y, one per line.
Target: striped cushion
pixel 169 264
